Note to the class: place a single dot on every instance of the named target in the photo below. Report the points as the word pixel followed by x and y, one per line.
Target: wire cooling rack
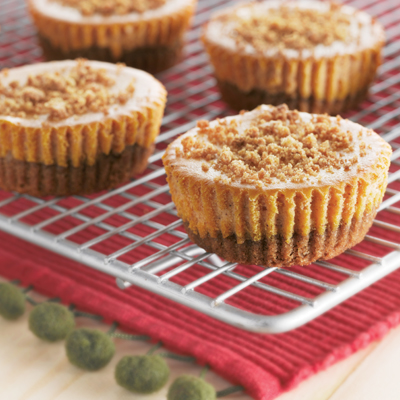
pixel 133 232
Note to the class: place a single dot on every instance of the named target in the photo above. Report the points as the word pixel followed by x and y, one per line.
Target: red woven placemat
pixel 266 365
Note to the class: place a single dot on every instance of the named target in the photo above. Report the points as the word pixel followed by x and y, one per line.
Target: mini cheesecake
pixel 318 57
pixel 145 34
pixel 275 187
pixel 76 127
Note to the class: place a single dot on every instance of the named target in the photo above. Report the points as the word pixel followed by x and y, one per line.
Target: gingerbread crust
pixel 152 59
pixel 275 251
pixel 42 180
pixel 240 100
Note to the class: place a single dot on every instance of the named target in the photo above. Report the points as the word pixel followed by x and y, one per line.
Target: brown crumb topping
pixel 291 28
pixel 112 7
pixel 278 146
pixel 62 94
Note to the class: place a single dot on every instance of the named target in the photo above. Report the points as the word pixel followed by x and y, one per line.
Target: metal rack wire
pixel 134 234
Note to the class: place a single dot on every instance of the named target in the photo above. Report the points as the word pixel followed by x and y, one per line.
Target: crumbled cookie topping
pixel 61 94
pixel 279 146
pixel 112 7
pixel 290 28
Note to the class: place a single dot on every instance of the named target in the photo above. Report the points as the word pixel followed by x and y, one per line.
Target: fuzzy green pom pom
pixel 190 387
pixel 12 301
pixel 51 321
pixel 89 349
pixel 142 374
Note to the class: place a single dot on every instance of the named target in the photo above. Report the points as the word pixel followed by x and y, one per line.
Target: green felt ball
pixel 142 374
pixel 12 301
pixel 89 349
pixel 51 321
pixel 190 387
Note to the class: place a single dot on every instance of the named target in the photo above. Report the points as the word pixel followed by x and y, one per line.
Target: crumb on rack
pixel 289 27
pixel 62 94
pixel 112 7
pixel 278 145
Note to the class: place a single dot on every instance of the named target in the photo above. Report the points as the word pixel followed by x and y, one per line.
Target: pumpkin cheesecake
pixel 145 34
pixel 276 187
pixel 315 56
pixel 79 126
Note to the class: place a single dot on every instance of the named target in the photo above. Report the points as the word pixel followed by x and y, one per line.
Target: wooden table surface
pixel 31 369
